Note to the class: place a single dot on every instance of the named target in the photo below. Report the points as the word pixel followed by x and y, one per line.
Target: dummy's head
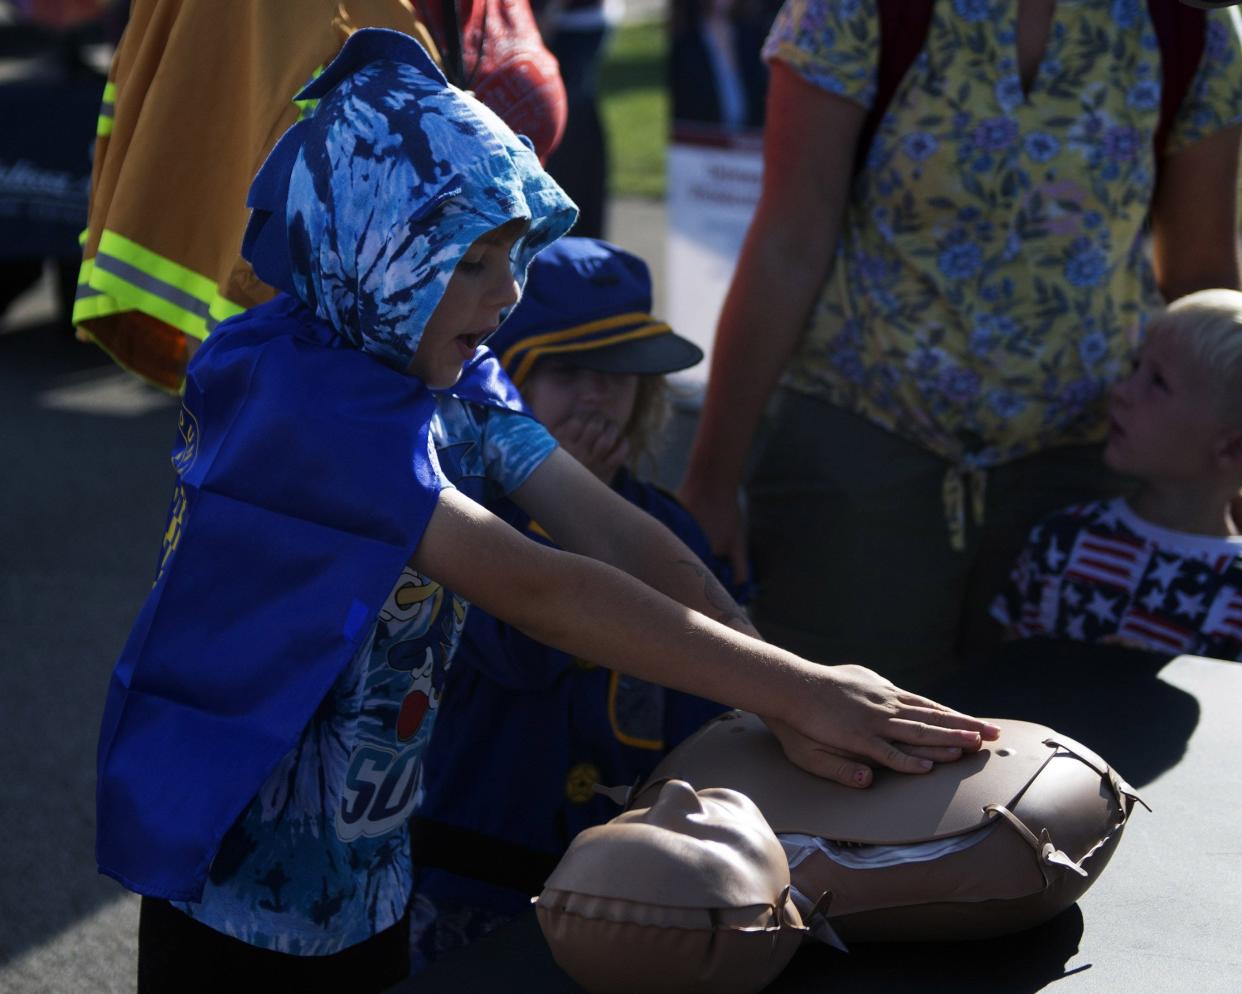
pixel 690 893
pixel 365 209
pixel 583 341
pixel 1178 415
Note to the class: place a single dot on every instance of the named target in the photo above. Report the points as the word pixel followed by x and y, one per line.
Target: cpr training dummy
pixel 998 842
pixel 689 892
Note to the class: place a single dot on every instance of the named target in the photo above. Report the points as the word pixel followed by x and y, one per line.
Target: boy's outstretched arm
pixel 585 516
pixel 832 719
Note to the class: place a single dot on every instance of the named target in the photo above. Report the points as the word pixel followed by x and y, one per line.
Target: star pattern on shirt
pixel 1074 626
pixel 1102 607
pixel 1153 599
pixel 1191 605
pixel 1107 516
pixel 1053 556
pixel 1164 570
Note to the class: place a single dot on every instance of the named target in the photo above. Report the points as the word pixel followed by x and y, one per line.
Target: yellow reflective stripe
pixel 82 236
pixel 533 356
pixel 133 278
pixel 107 108
pixel 307 107
pixel 164 270
pixel 221 309
pixel 96 305
pixel 88 302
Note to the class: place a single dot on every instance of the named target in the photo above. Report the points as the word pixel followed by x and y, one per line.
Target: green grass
pixel 635 106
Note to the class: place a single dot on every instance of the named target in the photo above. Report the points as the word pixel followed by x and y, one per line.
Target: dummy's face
pixel 717 818
pixel 558 392
pixel 480 290
pixel 1162 426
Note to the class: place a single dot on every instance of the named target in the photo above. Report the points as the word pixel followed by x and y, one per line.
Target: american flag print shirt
pixel 1099 573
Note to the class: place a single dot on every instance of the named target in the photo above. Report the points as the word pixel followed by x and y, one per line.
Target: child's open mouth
pixel 466 344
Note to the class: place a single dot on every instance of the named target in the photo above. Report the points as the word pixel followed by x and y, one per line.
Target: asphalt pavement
pixel 84 483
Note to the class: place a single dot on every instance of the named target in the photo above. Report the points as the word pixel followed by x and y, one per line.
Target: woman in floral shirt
pixel 945 325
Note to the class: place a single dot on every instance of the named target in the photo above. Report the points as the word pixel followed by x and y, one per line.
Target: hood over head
pixel 363 210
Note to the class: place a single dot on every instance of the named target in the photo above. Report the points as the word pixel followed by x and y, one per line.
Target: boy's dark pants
pixel 177 955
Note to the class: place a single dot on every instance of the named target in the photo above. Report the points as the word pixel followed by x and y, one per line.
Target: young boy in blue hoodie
pixel 590 361
pixel 261 745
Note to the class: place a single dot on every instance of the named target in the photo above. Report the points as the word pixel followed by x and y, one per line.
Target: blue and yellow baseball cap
pixel 588 303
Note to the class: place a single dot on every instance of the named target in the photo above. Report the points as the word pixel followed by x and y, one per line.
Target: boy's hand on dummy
pixel 852 717
pixel 595 441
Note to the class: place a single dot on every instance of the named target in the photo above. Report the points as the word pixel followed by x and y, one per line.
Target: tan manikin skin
pixel 1057 807
pixel 688 893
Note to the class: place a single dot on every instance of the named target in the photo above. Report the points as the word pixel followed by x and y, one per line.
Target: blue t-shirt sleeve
pixel 513 446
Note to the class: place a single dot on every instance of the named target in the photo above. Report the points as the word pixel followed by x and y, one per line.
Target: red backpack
pixel 904 25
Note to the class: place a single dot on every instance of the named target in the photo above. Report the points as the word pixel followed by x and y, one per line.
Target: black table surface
pixel 1166 914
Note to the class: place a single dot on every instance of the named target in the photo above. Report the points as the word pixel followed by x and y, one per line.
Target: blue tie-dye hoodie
pixel 305 474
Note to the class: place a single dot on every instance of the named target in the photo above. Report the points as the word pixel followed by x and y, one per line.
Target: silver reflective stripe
pixel 86 291
pixel 107 109
pixel 157 287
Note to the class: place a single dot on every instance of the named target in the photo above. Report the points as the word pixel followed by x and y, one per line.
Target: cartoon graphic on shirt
pixel 412 608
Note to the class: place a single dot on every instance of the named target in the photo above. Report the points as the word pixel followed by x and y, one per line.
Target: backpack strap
pixel 1181 32
pixel 903 32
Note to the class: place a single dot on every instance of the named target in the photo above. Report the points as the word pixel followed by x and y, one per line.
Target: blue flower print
pixel 1093 347
pixel 848 362
pixel 1092 219
pixel 1122 144
pixel 919 146
pixel 1218 44
pixel 874 271
pixel 960 385
pixel 925 360
pixel 1009 93
pixel 983 340
pixel 1079 393
pixel 995 134
pixel 973 10
pixel 1087 267
pixel 991 330
pixel 1124 13
pixel 1005 403
pixel 1041 146
pixel 1144 95
pixel 960 261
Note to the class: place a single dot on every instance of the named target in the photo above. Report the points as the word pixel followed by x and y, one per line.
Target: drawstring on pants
pixel 958 483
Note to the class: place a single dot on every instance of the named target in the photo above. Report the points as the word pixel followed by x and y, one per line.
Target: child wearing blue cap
pixel 262 742
pixel 589 360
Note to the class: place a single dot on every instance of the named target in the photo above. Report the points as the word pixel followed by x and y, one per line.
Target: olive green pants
pixel 870 549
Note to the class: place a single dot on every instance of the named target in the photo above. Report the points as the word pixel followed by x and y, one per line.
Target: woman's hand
pixel 853 717
pixel 719 514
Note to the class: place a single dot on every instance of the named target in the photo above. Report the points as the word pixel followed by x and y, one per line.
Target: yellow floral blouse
pixel 991 278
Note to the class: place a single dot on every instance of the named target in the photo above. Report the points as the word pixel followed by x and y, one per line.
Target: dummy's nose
pixel 676 799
